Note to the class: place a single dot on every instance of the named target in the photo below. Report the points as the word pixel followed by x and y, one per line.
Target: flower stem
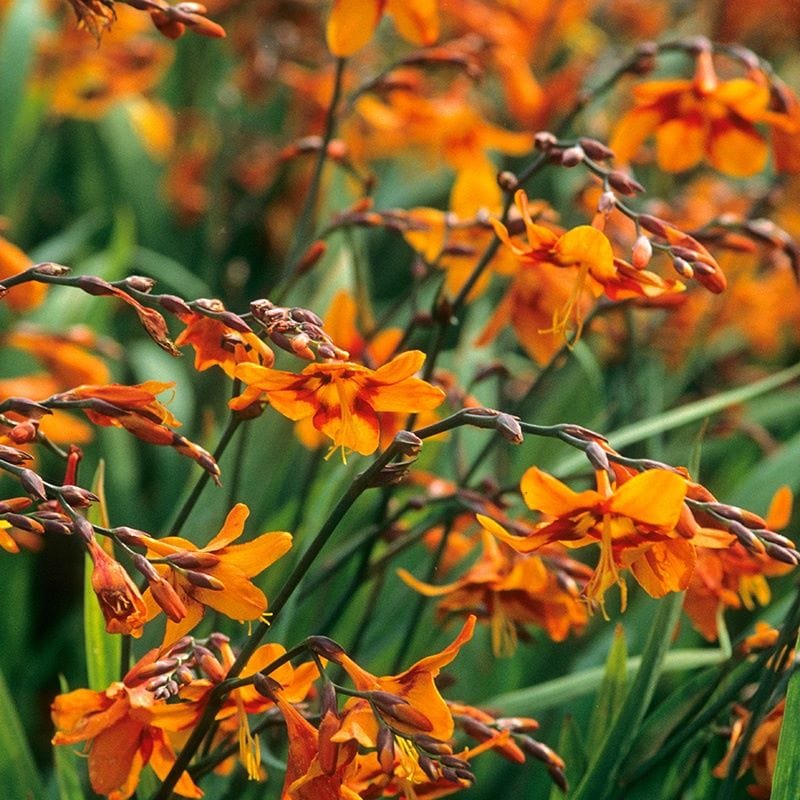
pixel 305 224
pixel 191 500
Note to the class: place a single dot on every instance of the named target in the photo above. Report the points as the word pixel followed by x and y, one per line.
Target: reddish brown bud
pixel 93 285
pixel 197 559
pixel 13 456
pixel 509 428
pixel 50 268
pixel 33 484
pixel 77 497
pixel 140 283
pixel 623 183
pixel 572 156
pixel 311 256
pixel 544 140
pixel 594 149
pixel 203 580
pixel 325 647
pixel 174 304
pixel 23 523
pixel 83 528
pixel 385 749
pixel 131 536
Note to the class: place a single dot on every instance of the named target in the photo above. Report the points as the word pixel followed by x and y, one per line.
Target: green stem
pixel 419 606
pixel 192 499
pixel 305 224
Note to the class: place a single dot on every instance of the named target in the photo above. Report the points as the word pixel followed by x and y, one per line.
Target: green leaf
pixel 103 650
pixel 677 417
pixel 612 691
pixel 66 766
pixel 534 700
pixel 18 776
pixel 786 777
pixel 600 780
pixel 572 749
pixel 22 22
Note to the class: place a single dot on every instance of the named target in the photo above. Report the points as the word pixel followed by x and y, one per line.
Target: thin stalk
pixel 191 500
pixel 419 606
pixel 305 224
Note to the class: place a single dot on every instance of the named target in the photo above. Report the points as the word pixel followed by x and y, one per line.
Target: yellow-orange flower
pixel 215 344
pixel 633 523
pixel 352 22
pixel 12 262
pixel 701 118
pixel 511 590
pixel 585 251
pixel 344 398
pixel 217 575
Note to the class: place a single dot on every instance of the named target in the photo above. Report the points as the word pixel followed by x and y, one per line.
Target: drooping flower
pixel 120 601
pixel 352 22
pixel 343 398
pixel 585 256
pixel 216 576
pixel 215 344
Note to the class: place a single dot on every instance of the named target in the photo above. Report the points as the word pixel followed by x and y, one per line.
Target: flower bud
pixel 642 252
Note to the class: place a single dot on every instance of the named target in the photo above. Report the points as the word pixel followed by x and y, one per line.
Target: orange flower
pixel 762 751
pixel 352 22
pixel 344 398
pixel 511 591
pixel 216 344
pixel 217 575
pixel 136 409
pixel 735 577
pixel 633 523
pixel 12 262
pixel 120 601
pixel 696 119
pixel 125 728
pixel 423 711
pixel 584 250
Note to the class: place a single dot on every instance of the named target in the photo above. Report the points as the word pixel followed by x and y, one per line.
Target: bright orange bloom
pixel 352 22
pixel 125 729
pixel 120 601
pixel 344 398
pixel 633 523
pixel 701 118
pixel 511 590
pixel 215 344
pixel 12 262
pixel 416 686
pixel 217 575
pixel 586 252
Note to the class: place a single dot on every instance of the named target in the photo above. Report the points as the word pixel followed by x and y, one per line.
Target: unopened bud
pixel 779 553
pixel 234 321
pixel 93 285
pixel 193 559
pixel 683 268
pixel 51 268
pixel 598 457
pixel 434 746
pixel 407 443
pixel 312 255
pixel 203 580
pixel 13 456
pixel 594 149
pixel 76 496
pixel 83 528
pixel 140 283
pixel 174 304
pixel 572 156
pixel 325 647
pixel 544 140
pixel 623 183
pixel 385 749
pixel 509 428
pixel 507 181
pixel 641 252
pixel 607 203
pixel 131 536
pixel 33 484
pixel 23 523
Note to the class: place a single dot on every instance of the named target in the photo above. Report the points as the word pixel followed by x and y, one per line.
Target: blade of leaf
pixel 103 651
pixel 18 774
pixel 600 780
pixel 612 691
pixel 534 700
pixel 572 749
pixel 691 412
pixel 786 777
